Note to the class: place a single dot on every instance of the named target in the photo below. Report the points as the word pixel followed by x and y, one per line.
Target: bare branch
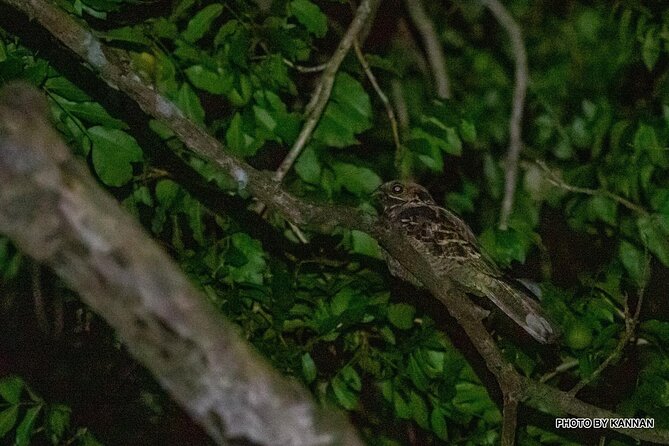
pixel 519 92
pixel 435 53
pixel 53 210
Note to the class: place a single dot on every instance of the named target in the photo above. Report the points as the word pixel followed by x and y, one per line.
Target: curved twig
pixel 433 49
pixel 555 180
pixel 519 92
pixel 379 92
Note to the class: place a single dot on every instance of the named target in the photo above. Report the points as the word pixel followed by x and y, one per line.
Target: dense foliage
pixel 590 219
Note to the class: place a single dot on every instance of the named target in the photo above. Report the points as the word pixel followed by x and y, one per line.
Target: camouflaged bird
pixel 449 244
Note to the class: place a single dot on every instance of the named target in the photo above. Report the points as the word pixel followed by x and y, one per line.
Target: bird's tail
pixel 523 309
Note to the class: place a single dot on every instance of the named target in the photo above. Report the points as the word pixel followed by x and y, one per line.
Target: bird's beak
pixel 377 192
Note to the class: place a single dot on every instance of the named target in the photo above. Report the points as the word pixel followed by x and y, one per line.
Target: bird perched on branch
pixel 449 244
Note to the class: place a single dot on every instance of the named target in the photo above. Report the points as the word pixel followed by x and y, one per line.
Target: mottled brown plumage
pixel 450 245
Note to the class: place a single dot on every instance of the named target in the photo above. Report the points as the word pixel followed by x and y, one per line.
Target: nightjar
pixel 449 243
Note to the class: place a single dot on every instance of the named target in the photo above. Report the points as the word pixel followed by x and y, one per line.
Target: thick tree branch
pixel 53 210
pixel 519 92
pixel 433 49
pixel 108 64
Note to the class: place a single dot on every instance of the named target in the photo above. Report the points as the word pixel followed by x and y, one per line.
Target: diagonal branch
pixel 379 92
pixel 53 210
pixel 519 92
pixel 108 64
pixel 433 49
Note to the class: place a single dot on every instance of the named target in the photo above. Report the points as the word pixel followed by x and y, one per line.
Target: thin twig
pixel 631 322
pixel 402 163
pixel 559 369
pixel 519 92
pixel 435 53
pixel 303 69
pixel 555 180
pixel 382 96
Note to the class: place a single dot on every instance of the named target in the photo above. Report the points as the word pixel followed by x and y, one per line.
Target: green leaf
pixel 10 389
pixel 240 135
pixel 114 151
pixel 659 329
pixel 311 16
pixel 358 180
pixel 251 265
pixel 348 113
pixel 351 378
pixel 645 140
pixel 650 50
pixel 190 104
pixel 438 423
pixel 241 91
pixel 401 315
pixel 654 230
pixel 87 439
pixel 58 420
pixel 272 119
pixel 208 80
pixel 340 301
pixel 62 87
pixel 127 34
pixel 416 373
pixel 604 209
pixel 363 243
pixel 8 419
pixel 89 112
pixel 201 22
pixel 402 409
pixel 235 137
pixel 634 261
pixel 505 246
pixel 309 370
pixel 346 397
pixel 471 398
pixel 419 410
pixel 467 131
pixel 308 166
pixel 452 144
pixel 25 429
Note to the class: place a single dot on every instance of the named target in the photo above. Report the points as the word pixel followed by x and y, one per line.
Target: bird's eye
pixel 398 189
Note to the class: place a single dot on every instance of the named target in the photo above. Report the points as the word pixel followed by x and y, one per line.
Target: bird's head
pixel 398 193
